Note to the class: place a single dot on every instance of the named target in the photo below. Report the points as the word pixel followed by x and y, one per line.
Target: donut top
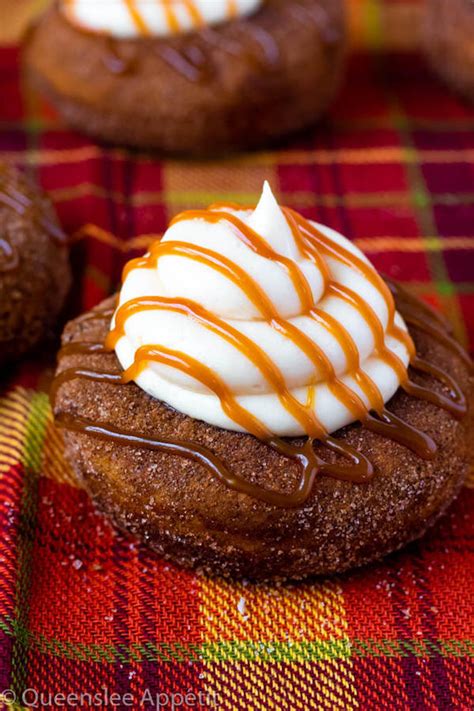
pixel 261 321
pixel 136 18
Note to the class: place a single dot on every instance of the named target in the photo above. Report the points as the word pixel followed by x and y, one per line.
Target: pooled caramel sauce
pixel 375 417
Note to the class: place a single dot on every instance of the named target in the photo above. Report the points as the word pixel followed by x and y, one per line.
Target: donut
pixel 34 265
pixel 180 451
pixel 239 84
pixel 448 40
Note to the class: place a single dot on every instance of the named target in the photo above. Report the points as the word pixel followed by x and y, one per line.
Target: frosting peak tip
pixel 269 221
pixel 267 197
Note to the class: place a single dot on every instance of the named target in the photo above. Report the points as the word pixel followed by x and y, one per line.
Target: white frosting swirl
pixel 134 18
pixel 177 276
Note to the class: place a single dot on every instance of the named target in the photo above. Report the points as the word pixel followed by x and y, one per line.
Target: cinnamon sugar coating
pixel 183 512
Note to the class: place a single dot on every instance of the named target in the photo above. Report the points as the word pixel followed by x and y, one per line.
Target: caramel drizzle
pixel 192 62
pixel 82 348
pixel 376 417
pixel 312 243
pixel 137 17
pixel 257 296
pixel 456 403
pixel 360 469
pixel 267 311
pixel 426 319
pixel 172 18
pixel 171 15
pixel 237 339
pixel 98 315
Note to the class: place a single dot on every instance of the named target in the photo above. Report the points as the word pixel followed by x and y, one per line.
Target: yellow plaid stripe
pixel 265 615
pixel 14 413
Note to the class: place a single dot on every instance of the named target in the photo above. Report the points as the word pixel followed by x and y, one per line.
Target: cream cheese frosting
pixel 133 18
pixel 285 296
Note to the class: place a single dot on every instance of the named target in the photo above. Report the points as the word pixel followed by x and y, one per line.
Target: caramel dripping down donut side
pixel 375 418
pixel 360 469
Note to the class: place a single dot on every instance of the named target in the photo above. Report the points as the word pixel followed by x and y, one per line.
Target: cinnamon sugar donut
pixel 34 265
pixel 239 84
pixel 185 513
pixel 261 402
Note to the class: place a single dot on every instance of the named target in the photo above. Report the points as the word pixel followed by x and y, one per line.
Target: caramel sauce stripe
pixel 308 249
pixel 257 244
pixel 311 241
pixel 200 372
pixel 171 15
pixel 137 17
pixel 360 470
pixel 260 300
pixel 248 348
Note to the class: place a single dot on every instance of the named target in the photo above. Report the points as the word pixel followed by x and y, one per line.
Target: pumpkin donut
pixel 203 89
pixel 259 402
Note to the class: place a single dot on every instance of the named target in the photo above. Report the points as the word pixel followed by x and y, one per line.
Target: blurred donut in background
pixel 34 265
pixel 189 77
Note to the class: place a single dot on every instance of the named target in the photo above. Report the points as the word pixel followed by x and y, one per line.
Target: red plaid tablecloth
pixel 85 610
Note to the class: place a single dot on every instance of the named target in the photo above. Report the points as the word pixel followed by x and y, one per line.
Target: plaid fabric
pixel 86 610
